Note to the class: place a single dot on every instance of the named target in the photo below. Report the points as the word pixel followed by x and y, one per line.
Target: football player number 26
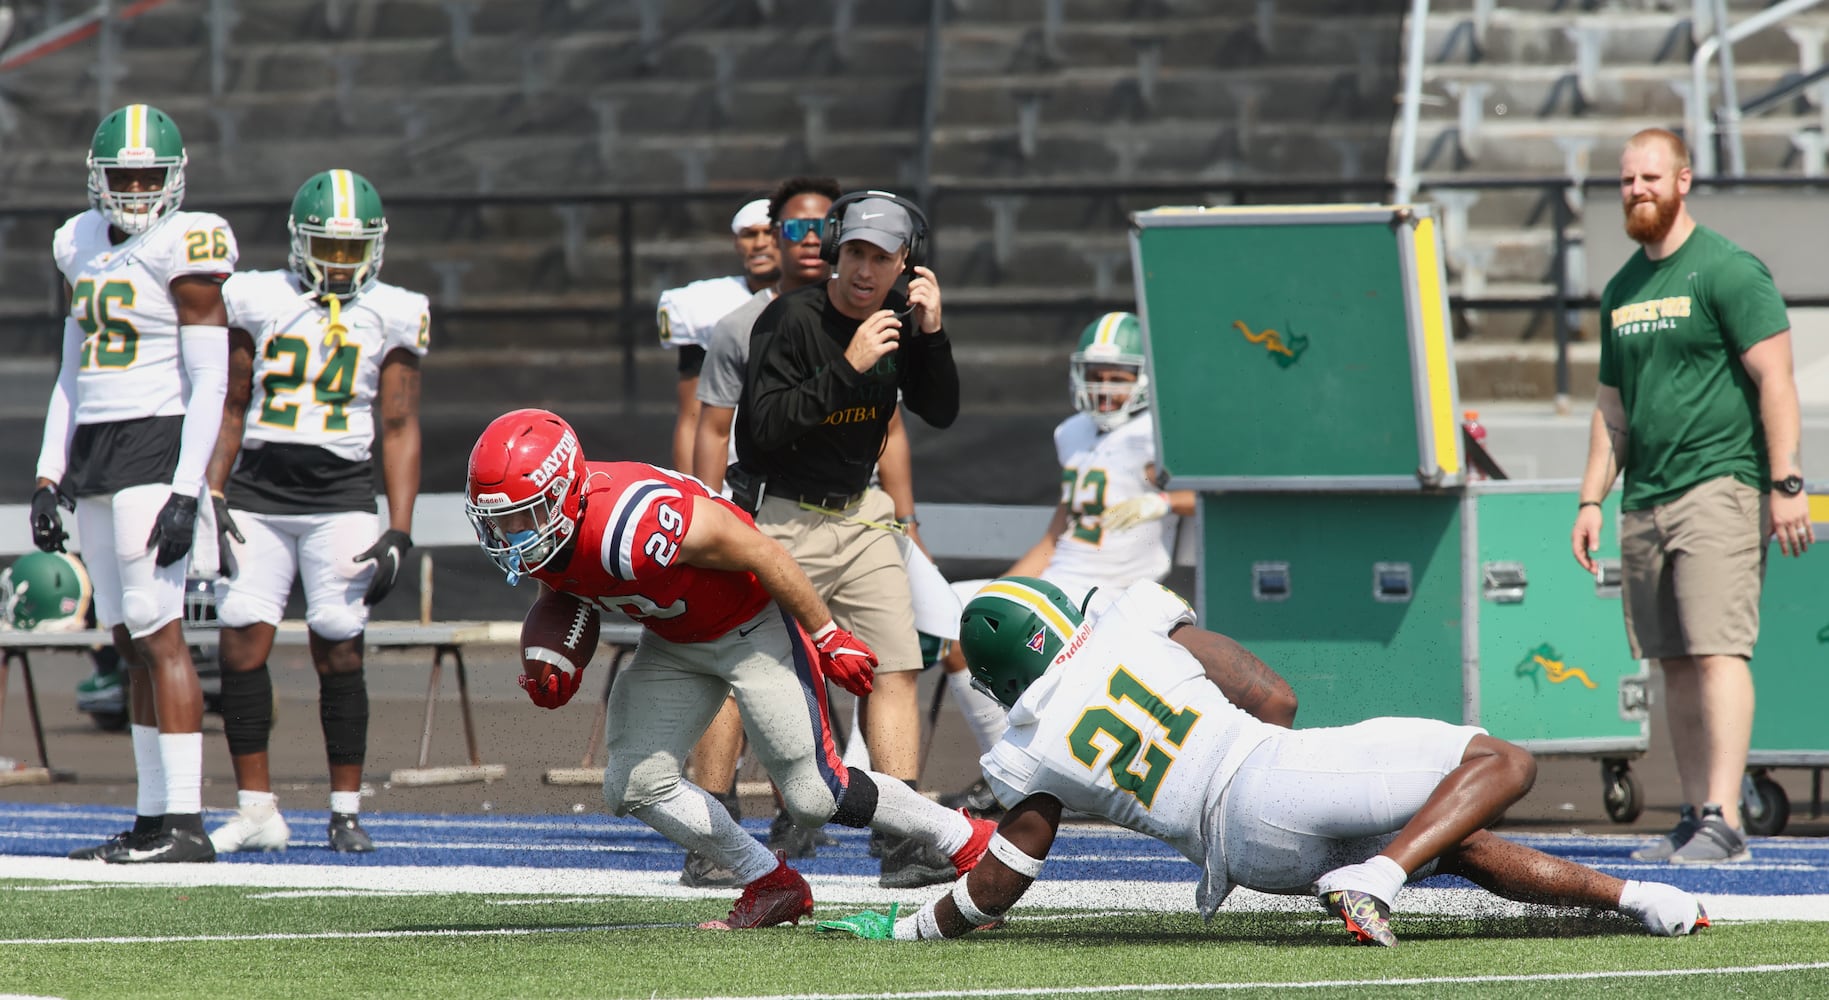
pixel 334 387
pixel 659 547
pixel 108 340
pixel 1086 746
pixel 206 244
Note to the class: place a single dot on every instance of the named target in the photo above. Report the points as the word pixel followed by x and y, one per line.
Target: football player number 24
pixel 334 387
pixel 1084 740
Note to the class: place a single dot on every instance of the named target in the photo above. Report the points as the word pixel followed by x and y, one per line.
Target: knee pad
pixel 247 709
pixel 343 712
pixel 858 805
pixel 140 611
pixel 336 623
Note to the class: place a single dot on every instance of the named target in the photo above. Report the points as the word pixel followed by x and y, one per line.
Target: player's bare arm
pixel 234 410
pixel 717 539
pixel 400 440
pixel 1034 561
pixel 198 299
pixel 1769 364
pixel 711 450
pixel 1245 680
pixel 994 886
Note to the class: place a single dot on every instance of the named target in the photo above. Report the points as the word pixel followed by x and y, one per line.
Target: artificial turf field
pixel 589 906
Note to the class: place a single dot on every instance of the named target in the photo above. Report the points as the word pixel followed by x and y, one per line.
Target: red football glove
pixel 846 660
pixel 555 690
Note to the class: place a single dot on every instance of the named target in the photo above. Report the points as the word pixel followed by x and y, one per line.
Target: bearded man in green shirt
pixel 1697 405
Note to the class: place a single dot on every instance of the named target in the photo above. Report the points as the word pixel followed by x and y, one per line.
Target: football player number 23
pixel 334 387
pixel 108 341
pixel 1084 741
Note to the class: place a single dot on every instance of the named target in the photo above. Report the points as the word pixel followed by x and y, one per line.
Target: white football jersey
pixel 1098 472
pixel 1126 726
pixel 120 297
pixel 687 314
pixel 308 389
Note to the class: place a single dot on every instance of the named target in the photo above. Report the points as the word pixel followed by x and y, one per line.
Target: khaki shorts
pixel 1692 570
pixel 857 568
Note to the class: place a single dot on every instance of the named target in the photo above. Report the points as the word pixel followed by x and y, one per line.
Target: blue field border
pixel 1781 865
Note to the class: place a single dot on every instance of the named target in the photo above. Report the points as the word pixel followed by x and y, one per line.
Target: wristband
pixel 910 521
pixel 1587 503
pixel 827 629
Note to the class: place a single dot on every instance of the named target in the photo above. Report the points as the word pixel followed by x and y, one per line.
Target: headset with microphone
pixel 835 227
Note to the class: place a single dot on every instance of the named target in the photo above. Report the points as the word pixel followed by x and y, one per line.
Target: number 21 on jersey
pixel 1125 742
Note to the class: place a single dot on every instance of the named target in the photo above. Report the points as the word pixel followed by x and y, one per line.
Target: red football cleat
pixel 780 897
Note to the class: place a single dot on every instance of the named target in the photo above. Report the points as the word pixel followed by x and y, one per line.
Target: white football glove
pixel 1135 511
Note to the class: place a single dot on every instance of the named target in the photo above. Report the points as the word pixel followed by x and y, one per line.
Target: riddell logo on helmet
pixel 562 452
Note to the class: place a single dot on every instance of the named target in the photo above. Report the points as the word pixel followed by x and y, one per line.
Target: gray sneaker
pixel 700 871
pixel 1715 843
pixel 1665 846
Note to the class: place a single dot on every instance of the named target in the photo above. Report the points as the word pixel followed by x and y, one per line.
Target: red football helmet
pixel 523 496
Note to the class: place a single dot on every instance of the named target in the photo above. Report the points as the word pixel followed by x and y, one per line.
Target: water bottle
pixel 1476 432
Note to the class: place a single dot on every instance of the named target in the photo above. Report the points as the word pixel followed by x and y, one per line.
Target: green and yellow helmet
pixel 338 233
pixel 136 137
pixel 1114 340
pixel 1011 630
pixel 45 591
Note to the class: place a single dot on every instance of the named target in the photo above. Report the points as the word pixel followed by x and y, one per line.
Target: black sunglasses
pixel 795 230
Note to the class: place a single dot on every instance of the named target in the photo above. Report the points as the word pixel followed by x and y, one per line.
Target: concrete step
pixel 1552 92
pixel 1620 37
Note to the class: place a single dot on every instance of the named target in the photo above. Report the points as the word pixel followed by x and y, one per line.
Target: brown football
pixel 559 632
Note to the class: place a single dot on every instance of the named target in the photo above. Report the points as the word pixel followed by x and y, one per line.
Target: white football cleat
pixel 252 831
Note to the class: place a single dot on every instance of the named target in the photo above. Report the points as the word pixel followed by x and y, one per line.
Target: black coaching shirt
pixel 810 421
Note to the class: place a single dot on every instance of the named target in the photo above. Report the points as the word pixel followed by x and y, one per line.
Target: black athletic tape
pixel 343 712
pixel 247 709
pixel 858 807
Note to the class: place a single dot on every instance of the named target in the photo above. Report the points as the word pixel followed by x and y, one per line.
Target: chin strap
pixel 335 331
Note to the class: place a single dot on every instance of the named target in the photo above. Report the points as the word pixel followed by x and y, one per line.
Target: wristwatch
pixel 1790 485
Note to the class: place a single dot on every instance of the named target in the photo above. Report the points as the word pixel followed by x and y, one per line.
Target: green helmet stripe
pixel 1035 601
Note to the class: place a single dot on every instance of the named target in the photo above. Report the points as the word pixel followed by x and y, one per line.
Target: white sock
pixel 258 805
pixel 346 802
pixel 983 715
pixel 182 757
pixel 1379 876
pixel 691 818
pixel 857 752
pixel 903 812
pixel 150 799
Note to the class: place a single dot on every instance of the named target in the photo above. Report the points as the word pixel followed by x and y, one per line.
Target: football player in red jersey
pixel 726 611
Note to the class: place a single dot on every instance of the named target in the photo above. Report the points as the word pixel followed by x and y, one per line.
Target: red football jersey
pixel 624 557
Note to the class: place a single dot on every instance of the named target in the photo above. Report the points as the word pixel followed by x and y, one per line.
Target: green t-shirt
pixel 1671 335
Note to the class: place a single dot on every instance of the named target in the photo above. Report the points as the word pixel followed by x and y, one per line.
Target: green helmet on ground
pixel 1011 631
pixel 136 137
pixel 45 591
pixel 339 231
pixel 1113 342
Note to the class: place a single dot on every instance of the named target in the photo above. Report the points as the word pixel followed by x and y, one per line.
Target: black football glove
pixel 47 525
pixel 388 552
pixel 174 530
pixel 225 530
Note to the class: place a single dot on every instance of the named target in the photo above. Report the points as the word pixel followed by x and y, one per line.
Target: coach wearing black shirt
pixel 826 364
